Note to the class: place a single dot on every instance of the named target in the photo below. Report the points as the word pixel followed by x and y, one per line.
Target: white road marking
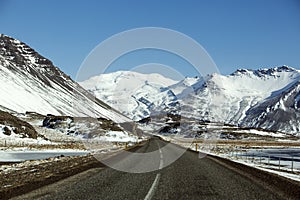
pixel 151 192
pixel 161 164
pixel 153 187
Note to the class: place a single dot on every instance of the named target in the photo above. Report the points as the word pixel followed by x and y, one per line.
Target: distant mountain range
pixel 30 82
pixel 134 94
pixel 264 98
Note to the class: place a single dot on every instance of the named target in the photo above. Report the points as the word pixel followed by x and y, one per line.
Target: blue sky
pixel 236 33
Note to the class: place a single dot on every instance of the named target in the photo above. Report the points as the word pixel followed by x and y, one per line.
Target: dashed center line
pixel 152 190
pixel 161 163
pixel 153 187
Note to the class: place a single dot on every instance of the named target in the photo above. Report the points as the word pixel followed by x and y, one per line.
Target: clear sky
pixel 236 33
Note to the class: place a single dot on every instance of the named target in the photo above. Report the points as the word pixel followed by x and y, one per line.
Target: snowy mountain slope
pixel 227 98
pixel 186 84
pixel 278 112
pixel 134 94
pixel 246 97
pixel 30 82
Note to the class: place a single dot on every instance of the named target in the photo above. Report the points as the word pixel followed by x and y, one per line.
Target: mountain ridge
pixel 30 82
pixel 220 98
pixel 262 98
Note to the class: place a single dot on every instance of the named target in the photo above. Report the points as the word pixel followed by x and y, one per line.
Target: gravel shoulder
pixel 32 175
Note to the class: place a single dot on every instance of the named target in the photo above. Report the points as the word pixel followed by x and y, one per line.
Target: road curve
pixel 189 177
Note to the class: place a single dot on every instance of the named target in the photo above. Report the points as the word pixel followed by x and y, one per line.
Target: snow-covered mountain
pixel 280 111
pixel 228 98
pixel 264 98
pixel 30 82
pixel 134 94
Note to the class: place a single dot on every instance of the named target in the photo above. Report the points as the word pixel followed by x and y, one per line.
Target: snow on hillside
pixel 227 98
pixel 278 112
pixel 235 99
pixel 16 131
pixel 185 85
pixel 133 93
pixel 30 82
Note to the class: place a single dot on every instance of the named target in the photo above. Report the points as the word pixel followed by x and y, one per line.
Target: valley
pixel 48 120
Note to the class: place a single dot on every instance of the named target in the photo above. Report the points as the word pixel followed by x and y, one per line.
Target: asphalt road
pixel 189 177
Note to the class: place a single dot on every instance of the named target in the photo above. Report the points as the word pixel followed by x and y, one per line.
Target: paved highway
pixel 189 177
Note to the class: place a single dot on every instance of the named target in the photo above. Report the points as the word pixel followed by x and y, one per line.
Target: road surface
pixel 189 177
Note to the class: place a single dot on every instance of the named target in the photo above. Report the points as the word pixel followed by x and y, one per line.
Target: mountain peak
pixel 30 82
pixel 264 71
pixel 283 68
pixel 127 79
pixel 17 51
